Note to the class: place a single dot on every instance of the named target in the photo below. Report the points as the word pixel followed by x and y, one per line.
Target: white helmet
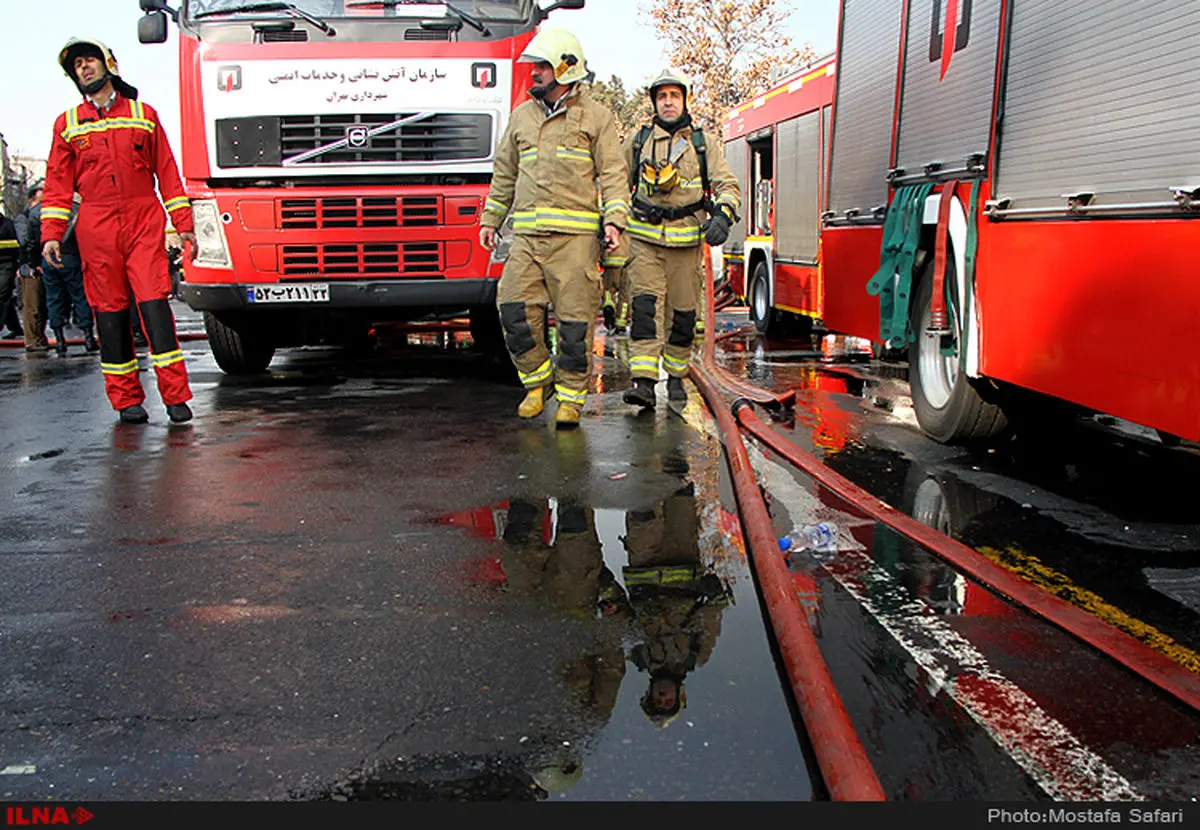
pixel 560 49
pixel 88 46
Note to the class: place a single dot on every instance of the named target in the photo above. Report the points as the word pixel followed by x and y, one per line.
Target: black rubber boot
pixel 179 412
pixel 135 414
pixel 676 394
pixel 60 342
pixel 641 393
pixel 89 341
pixel 610 318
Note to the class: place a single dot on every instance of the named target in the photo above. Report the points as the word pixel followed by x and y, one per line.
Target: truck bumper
pixel 350 295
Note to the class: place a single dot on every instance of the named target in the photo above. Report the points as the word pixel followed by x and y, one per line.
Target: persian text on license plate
pixel 308 293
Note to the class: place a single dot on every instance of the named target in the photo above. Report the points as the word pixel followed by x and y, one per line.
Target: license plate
pixel 313 292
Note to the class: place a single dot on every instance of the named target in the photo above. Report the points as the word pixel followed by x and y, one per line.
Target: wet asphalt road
pixel 361 577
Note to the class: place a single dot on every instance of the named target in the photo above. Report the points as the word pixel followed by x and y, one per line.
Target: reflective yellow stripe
pixel 166 358
pixel 109 124
pixel 615 261
pixel 55 213
pixel 9 243
pixel 645 365
pixel 528 155
pixel 72 119
pixel 675 364
pixel 177 203
pixel 644 230
pixel 570 395
pixel 119 368
pixel 493 205
pixel 651 576
pixel 576 153
pixel 556 219
pixel 537 376
pixel 617 206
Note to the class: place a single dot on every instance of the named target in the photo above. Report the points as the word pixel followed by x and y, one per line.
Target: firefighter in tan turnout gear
pixel 683 193
pixel 558 147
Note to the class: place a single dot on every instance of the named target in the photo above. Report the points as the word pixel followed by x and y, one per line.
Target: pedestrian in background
pixel 113 151
pixel 555 150
pixel 33 292
pixel 10 254
pixel 64 293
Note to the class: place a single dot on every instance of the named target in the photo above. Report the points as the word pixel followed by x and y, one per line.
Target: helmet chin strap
pixel 541 92
pixel 95 86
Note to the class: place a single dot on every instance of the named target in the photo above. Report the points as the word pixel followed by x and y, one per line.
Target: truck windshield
pixel 493 10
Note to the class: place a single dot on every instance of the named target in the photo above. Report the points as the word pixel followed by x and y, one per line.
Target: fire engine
pixel 1011 194
pixel 337 154
pixel 776 145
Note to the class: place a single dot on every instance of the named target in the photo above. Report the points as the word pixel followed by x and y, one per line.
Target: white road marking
pixel 1042 746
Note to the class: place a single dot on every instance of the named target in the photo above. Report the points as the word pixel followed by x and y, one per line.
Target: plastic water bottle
pixel 819 537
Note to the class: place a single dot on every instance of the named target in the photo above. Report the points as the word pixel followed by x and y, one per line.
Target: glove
pixel 718 229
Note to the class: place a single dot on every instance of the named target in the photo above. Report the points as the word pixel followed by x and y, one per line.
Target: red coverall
pixel 111 158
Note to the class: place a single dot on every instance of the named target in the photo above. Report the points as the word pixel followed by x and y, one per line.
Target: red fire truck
pixel 1034 162
pixel 338 153
pixel 776 145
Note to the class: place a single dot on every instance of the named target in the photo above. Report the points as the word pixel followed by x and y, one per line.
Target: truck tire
pixel 765 317
pixel 238 349
pixel 949 409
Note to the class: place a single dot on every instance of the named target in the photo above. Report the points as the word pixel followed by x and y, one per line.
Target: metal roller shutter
pixel 735 155
pixel 1100 98
pixel 863 109
pixel 946 119
pixel 798 153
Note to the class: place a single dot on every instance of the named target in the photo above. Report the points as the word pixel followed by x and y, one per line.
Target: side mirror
pixel 152 28
pixel 559 4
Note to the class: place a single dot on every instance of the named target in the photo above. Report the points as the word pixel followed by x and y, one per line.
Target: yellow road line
pixel 1030 568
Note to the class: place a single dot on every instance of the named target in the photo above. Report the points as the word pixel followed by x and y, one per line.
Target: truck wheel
pixel 949 409
pixel 764 317
pixel 238 349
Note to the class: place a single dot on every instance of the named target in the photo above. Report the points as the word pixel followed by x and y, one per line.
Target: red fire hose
pixel 1154 666
pixel 843 762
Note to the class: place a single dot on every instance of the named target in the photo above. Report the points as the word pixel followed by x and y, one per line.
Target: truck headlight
pixel 212 248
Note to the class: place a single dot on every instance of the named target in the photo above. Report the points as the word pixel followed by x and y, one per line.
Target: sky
pixel 614 37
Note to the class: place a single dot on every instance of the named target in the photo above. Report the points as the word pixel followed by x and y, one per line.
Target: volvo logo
pixel 229 78
pixel 357 136
pixel 483 75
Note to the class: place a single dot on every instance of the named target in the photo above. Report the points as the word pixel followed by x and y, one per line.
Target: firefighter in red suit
pixel 111 148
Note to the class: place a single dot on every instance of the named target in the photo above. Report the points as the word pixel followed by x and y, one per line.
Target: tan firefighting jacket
pixel 661 145
pixel 547 168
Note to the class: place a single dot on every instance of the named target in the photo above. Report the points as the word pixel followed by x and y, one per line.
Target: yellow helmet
pixel 671 77
pixel 75 47
pixel 560 49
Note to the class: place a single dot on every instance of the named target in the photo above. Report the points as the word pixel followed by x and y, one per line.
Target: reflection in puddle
pixel 639 599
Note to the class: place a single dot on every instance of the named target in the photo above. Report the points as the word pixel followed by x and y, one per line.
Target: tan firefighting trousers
pixel 616 281
pixel 616 293
pixel 560 269
pixel 664 284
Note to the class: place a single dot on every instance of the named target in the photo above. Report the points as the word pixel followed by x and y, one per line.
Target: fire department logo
pixel 357 136
pixel 229 78
pixel 944 41
pixel 82 142
pixel 483 75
